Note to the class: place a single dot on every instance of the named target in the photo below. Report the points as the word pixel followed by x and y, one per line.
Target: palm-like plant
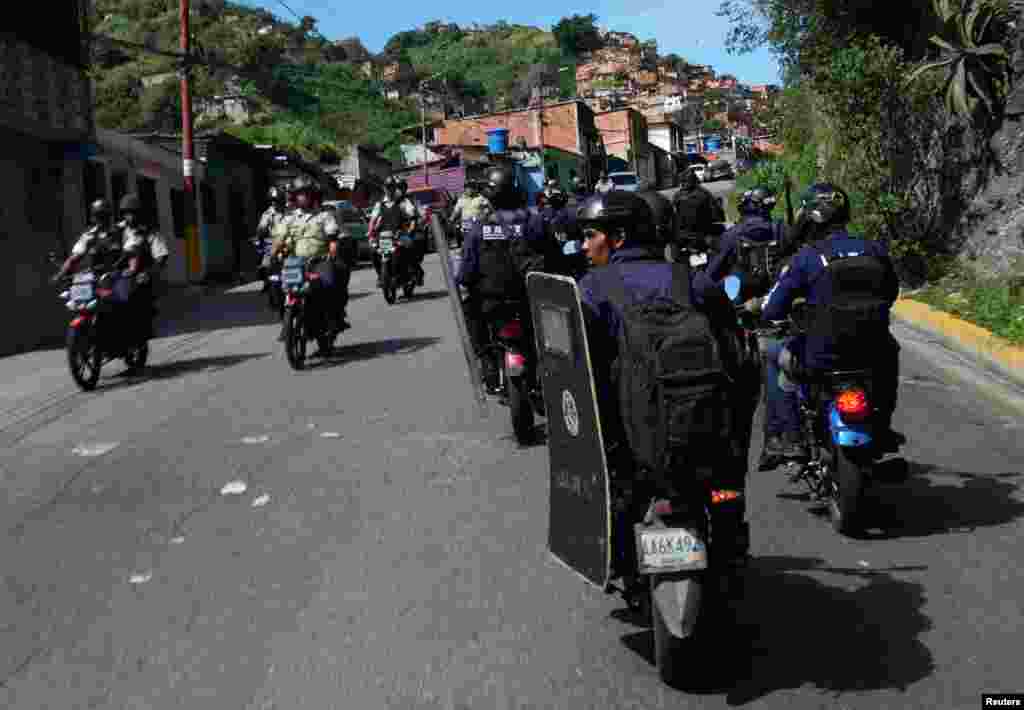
pixel 974 69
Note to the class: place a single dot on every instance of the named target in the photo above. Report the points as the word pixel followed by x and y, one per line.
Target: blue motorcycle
pixel 837 418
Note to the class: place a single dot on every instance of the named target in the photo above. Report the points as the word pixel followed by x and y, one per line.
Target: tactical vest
pixel 391 217
pixel 501 236
pixel 307 234
pixel 857 306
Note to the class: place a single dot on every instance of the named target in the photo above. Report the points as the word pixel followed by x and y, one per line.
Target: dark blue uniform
pixel 755 229
pixel 818 352
pixel 647 277
pixel 497 252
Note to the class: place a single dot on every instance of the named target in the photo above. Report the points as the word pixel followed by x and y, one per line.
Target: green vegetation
pixel 986 303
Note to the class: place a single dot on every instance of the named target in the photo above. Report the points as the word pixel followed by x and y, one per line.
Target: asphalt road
pixel 400 558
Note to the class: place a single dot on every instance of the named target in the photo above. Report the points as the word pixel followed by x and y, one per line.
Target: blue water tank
pixel 497 140
pixel 712 144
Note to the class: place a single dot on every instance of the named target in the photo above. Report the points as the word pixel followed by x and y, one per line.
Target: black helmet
pixel 99 208
pixel 620 215
pixel 130 203
pixel 557 198
pixel 603 175
pixel 662 213
pixel 275 194
pixel 501 188
pixel 759 200
pixel 825 204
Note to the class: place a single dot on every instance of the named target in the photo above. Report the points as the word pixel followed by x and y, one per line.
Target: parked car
pixel 430 200
pixel 354 221
pixel 719 170
pixel 629 182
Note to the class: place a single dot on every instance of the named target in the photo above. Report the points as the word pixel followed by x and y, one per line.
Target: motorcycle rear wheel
pixel 519 404
pixel 136 359
pixel 847 503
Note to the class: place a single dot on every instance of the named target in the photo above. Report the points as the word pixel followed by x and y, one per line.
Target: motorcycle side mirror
pixel 732 286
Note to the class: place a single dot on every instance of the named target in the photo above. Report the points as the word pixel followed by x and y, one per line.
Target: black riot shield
pixel 455 298
pixel 579 530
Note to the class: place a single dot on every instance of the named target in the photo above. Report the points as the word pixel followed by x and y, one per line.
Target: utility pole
pixel 423 117
pixel 188 162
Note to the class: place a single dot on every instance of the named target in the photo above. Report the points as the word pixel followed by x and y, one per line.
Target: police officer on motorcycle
pixel 271 224
pixel 755 227
pixel 393 214
pixel 419 231
pixel 498 252
pixel 312 233
pixel 101 241
pixel 697 214
pixel 829 342
pixel 622 240
pixel 147 254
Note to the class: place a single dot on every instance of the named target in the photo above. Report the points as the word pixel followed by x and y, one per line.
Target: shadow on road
pixel 175 368
pixel 859 633
pixel 429 295
pixel 935 500
pixel 365 351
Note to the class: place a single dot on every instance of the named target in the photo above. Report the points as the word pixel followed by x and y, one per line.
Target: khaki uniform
pixel 308 234
pixel 273 223
pixel 136 236
pixel 95 237
pixel 471 207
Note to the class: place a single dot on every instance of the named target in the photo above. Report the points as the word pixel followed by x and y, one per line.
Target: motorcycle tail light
pixel 853 405
pixel 515 363
pixel 724 496
pixel 313 276
pixel 290 301
pixel 513 330
pixel 77 321
pixel 104 292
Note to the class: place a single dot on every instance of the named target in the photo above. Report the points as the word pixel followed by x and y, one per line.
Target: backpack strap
pixel 613 284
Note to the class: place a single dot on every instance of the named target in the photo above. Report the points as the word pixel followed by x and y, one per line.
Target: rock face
pixel 992 229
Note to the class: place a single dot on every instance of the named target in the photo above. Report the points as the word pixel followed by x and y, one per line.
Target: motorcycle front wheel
pixel 85 359
pixel 295 338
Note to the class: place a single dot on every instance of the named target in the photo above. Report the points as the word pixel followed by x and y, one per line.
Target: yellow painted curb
pixel 975 340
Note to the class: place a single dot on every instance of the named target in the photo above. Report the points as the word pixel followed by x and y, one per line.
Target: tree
pixel 713 124
pixel 974 64
pixel 577 34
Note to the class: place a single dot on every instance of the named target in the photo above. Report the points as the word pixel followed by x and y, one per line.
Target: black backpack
pixel 694 213
pixel 760 263
pixel 672 386
pixel 861 290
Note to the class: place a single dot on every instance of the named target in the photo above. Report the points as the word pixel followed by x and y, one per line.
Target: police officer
pixel 270 226
pixel 558 220
pixel 419 235
pixel 101 241
pixel 825 209
pixel 313 233
pixel 470 206
pixel 391 214
pixel 696 213
pixel 620 234
pixel 662 213
pixel 755 225
pixel 147 254
pixel 499 251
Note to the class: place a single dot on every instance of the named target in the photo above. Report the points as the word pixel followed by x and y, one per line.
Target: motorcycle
pixel 102 329
pixel 306 316
pixel 685 577
pixel 513 367
pixel 397 269
pixel 837 420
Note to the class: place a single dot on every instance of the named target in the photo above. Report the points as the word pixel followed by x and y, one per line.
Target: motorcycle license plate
pixel 698 259
pixel 387 245
pixel 292 277
pixel 83 287
pixel 669 550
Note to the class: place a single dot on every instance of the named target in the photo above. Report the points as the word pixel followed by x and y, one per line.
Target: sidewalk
pixel 979 345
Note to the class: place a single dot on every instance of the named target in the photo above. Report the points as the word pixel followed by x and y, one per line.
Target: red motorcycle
pixel 513 364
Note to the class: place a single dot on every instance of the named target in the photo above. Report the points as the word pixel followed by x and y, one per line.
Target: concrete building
pixel 624 133
pixel 46 128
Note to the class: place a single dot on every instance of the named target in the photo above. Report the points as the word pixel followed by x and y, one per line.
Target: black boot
pixel 771 454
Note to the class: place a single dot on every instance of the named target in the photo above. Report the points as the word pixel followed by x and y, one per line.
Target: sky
pixel 688 28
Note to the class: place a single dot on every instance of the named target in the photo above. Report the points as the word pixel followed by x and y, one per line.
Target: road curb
pixel 973 342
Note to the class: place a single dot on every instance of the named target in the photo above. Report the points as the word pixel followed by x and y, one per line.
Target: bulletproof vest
pixel 502 237
pixel 105 250
pixel 854 303
pixel 391 217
